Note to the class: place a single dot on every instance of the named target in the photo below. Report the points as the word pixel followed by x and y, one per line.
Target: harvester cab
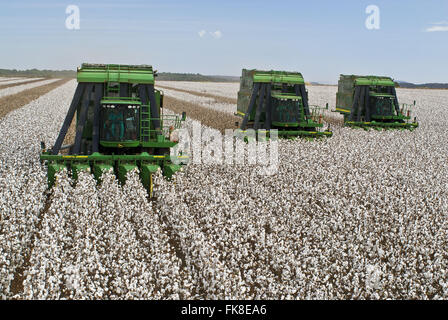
pixel 278 100
pixel 120 126
pixel 120 119
pixel 371 102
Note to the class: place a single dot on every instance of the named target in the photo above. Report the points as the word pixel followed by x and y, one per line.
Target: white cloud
pixel 438 26
pixel 217 34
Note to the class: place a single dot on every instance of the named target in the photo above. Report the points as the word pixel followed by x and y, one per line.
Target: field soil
pixel 208 117
pixel 217 98
pixel 4 86
pixel 15 101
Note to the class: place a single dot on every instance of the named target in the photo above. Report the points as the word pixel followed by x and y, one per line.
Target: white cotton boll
pixel 373 277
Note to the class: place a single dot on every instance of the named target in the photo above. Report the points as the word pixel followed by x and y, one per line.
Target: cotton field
pixel 361 215
pixel 4 81
pixel 18 88
pixel 207 102
pixel 224 89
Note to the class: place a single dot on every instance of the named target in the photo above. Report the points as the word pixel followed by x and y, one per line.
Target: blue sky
pixel 319 38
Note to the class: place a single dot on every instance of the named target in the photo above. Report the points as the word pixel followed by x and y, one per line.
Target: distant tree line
pixel 422 86
pixel 38 73
pixel 167 76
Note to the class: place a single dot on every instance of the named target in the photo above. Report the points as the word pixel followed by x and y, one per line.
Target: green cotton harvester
pixel 371 102
pixel 278 100
pixel 119 126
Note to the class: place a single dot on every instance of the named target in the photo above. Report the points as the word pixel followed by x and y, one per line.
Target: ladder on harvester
pixel 145 130
pixel 108 87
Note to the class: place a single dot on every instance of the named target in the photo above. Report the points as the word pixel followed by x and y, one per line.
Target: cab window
pixel 119 123
pixel 285 110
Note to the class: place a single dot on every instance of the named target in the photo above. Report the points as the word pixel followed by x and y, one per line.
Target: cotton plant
pixel 23 195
